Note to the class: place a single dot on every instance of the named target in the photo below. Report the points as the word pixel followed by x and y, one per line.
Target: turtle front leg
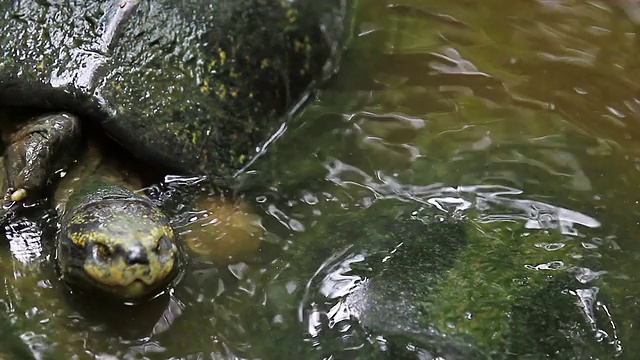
pixel 35 151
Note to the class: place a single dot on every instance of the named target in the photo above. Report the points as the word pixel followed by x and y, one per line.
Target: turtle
pixel 112 240
pixel 195 89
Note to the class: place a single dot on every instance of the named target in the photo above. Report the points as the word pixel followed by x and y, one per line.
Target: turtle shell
pixel 194 86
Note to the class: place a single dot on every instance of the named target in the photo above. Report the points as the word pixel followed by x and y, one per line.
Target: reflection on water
pixel 24 237
pixel 465 187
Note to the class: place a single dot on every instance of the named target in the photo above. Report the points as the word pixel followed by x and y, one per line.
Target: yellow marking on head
pixel 168 230
pixel 79 239
pixel 118 273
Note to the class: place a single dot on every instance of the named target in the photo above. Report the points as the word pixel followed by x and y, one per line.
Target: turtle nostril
pixel 136 256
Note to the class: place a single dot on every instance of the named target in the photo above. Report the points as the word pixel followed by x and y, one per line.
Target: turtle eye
pixel 164 245
pixel 102 251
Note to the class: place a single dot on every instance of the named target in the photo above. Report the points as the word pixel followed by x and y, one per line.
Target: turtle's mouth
pixel 136 289
pixel 133 289
pixel 130 288
pixel 118 277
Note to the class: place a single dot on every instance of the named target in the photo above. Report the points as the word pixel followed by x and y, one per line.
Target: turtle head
pixel 116 242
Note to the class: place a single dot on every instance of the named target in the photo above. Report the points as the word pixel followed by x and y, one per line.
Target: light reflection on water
pixel 465 188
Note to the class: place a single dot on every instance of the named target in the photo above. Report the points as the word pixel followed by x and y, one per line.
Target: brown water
pixel 465 187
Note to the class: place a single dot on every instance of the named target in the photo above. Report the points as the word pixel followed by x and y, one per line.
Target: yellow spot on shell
pixel 212 64
pixel 223 56
pixel 205 88
pixel 292 15
pixel 222 92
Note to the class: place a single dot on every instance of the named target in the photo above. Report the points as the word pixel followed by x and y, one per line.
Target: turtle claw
pixel 17 195
pixel 11 202
pixel 7 198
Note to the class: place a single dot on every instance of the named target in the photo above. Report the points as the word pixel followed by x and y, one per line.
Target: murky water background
pixel 466 187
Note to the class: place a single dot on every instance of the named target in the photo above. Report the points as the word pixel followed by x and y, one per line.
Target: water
pixel 465 187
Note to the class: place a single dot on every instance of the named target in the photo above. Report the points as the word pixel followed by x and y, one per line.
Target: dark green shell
pixel 196 86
